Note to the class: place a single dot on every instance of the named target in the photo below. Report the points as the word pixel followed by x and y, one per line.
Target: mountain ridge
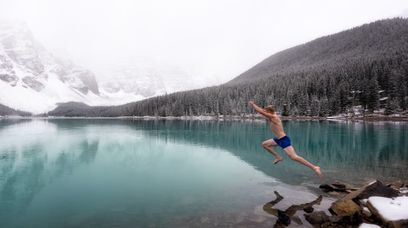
pixel 377 68
pixel 35 80
pixel 339 46
pixel 32 79
pixel 7 111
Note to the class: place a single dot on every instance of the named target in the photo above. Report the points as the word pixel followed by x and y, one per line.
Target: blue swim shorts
pixel 283 142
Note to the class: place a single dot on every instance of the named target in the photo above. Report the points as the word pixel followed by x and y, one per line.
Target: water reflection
pixel 77 174
pixel 287 216
pixel 28 163
pixel 347 151
pixel 123 166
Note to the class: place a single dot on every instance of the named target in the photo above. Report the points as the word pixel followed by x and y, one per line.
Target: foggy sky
pixel 219 38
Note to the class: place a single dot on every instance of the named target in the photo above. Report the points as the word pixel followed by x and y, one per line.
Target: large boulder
pixel 350 203
pixel 345 207
pixel 396 184
pixel 375 188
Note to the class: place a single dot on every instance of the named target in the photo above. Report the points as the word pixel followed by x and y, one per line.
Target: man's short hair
pixel 270 109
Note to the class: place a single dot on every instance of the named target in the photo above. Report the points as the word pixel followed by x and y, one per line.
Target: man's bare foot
pixel 277 160
pixel 318 172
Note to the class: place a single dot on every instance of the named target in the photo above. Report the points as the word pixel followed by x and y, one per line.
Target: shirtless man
pixel 281 139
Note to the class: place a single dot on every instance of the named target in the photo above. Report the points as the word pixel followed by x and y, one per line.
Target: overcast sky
pixel 219 38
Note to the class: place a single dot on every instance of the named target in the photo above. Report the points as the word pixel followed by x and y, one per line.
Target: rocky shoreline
pixel 373 205
pixel 336 205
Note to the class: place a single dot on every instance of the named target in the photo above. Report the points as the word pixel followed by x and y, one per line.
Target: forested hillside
pixel 366 65
pixel 6 111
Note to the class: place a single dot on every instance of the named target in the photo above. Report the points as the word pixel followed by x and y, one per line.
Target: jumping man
pixel 281 138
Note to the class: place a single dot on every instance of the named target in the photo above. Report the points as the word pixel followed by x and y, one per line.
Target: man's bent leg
pixel 290 151
pixel 268 145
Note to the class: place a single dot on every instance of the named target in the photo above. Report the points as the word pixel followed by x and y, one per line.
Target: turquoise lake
pixel 173 173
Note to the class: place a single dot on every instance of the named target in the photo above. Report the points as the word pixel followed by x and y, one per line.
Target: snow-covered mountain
pixel 32 79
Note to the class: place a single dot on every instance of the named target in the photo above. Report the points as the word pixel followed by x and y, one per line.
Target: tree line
pixel 321 92
pixel 365 67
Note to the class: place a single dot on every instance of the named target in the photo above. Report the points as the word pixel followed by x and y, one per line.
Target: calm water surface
pixel 123 173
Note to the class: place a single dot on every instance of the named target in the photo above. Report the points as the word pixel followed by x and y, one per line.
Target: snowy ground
pixel 391 209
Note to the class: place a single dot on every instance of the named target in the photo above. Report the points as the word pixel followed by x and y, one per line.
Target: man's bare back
pixel 281 139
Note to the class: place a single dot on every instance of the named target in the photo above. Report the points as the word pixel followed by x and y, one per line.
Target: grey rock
pixel 24 53
pixel 33 83
pixel 7 73
pixel 12 79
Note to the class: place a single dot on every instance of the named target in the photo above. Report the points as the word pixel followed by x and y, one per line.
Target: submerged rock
pixel 317 217
pixel 309 209
pixel 285 217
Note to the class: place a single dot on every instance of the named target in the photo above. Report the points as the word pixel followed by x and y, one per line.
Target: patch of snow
pixel 372 182
pixel 391 209
pixel 366 210
pixel 335 117
pixel 364 201
pixel 367 225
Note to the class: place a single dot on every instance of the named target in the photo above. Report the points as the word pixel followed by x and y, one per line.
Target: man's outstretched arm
pixel 260 110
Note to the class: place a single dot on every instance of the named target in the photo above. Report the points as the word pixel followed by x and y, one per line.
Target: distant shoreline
pixel 368 118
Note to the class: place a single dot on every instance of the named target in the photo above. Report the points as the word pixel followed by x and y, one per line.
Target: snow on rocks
pixel 392 211
pixel 366 225
pixel 403 190
pixel 374 203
